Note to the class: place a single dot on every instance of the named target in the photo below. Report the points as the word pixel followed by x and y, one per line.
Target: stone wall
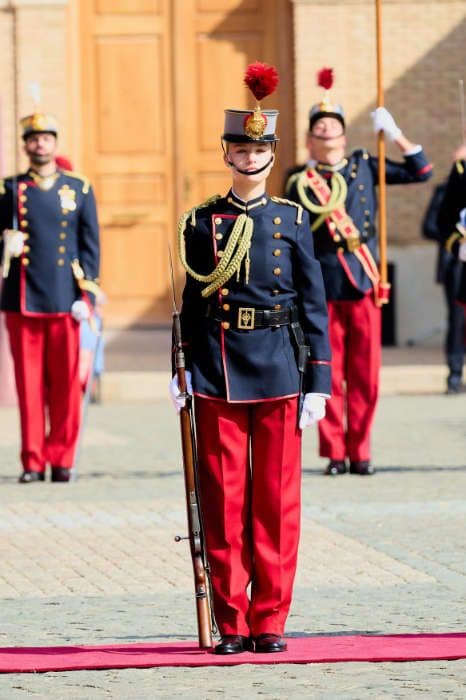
pixel 424 51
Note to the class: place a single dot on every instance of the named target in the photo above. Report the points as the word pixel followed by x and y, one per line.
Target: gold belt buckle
pixel 353 243
pixel 246 319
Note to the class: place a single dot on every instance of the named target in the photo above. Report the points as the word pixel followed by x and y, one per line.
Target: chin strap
pixel 251 172
pixel 328 138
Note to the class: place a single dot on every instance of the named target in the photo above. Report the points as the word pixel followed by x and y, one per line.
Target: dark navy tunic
pixel 60 225
pixel 454 200
pixel 259 364
pixel 360 171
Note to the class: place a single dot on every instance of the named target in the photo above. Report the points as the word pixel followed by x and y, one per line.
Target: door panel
pixel 214 43
pixel 130 7
pixel 129 125
pixel 127 84
pixel 155 78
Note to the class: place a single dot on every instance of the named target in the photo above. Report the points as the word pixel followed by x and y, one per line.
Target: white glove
pixel 462 252
pixel 462 219
pixel 382 120
pixel 178 400
pixel 80 310
pixel 14 241
pixel 313 410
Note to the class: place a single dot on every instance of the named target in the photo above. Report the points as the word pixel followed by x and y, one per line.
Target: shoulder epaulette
pixel 82 178
pixel 361 153
pixel 299 212
pixel 8 179
pixel 207 202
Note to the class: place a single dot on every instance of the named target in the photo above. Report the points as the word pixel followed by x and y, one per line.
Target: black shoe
pixel 453 387
pixel 363 468
pixel 335 467
pixel 269 644
pixel 28 477
pixel 233 644
pixel 61 474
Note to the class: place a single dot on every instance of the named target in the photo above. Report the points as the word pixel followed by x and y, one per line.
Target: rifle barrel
pixel 193 509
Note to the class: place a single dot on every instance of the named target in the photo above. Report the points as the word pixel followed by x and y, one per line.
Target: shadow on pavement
pixel 397 469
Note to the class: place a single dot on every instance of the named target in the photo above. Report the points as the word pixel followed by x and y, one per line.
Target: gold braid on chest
pixel 236 250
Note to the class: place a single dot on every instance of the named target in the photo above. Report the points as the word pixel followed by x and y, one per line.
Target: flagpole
pixel 462 110
pixel 384 287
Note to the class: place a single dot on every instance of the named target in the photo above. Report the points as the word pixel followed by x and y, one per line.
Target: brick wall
pixel 424 56
pixel 32 36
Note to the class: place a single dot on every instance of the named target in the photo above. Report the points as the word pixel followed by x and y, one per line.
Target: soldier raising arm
pixel 339 193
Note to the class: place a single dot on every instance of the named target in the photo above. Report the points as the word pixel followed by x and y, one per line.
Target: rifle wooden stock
pixel 196 535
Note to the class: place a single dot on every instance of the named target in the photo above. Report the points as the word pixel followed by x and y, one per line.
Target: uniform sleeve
pixel 193 308
pixel 6 219
pixel 430 228
pixel 414 168
pixel 88 238
pixel 312 306
pixel 454 200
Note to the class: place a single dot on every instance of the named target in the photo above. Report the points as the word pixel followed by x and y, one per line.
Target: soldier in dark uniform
pixel 339 192
pixel 448 274
pixel 254 293
pixel 50 253
pixel 452 219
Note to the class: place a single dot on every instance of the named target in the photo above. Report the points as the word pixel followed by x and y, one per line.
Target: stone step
pixel 153 385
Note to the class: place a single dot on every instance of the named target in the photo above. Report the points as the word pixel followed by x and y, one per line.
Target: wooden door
pixel 155 77
pixel 213 43
pixel 128 152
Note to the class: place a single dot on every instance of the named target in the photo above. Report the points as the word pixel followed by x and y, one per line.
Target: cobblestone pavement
pixel 95 561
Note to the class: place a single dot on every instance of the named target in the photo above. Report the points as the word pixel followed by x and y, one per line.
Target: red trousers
pixel 355 340
pixel 46 358
pixel 250 482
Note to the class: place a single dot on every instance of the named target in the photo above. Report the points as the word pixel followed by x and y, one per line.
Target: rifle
pixel 195 528
pixel 462 111
pixel 383 292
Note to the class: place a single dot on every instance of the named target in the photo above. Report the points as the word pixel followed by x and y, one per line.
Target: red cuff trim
pixel 87 300
pixel 426 169
pixel 320 362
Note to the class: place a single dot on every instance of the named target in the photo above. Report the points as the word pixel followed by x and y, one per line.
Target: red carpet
pixel 301 650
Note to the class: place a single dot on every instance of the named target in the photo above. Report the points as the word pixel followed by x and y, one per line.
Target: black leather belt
pixel 247 318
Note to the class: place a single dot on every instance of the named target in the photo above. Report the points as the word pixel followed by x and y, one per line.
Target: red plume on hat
pixel 325 78
pixel 262 79
pixel 326 107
